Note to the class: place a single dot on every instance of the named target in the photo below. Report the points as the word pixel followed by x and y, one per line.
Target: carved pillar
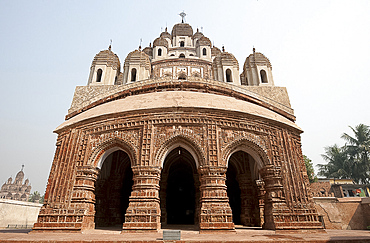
pixel 274 198
pixel 246 196
pixel 197 199
pixel 83 196
pixel 143 212
pixel 215 209
pixel 163 196
pixel 261 199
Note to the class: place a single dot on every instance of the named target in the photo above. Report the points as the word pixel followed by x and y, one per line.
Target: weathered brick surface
pixel 344 213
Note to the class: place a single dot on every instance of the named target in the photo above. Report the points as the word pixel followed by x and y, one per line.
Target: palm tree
pixel 358 149
pixel 338 165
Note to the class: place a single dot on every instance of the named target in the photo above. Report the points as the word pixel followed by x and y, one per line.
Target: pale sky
pixel 319 50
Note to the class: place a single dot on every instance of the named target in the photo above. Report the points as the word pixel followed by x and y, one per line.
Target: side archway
pixel 244 161
pixel 113 160
pixel 258 153
pixel 100 153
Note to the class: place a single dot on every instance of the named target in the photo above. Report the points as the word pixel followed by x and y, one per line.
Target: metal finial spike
pixel 22 167
pixel 110 45
pixel 182 14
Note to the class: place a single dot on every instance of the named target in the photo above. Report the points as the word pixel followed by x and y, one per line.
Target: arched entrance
pixel 112 190
pixel 179 191
pixel 242 190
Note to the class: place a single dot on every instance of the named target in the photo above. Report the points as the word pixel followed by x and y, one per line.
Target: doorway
pixel 242 190
pixel 112 190
pixel 179 189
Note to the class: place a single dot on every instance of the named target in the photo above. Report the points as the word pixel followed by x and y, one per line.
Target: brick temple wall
pixel 146 136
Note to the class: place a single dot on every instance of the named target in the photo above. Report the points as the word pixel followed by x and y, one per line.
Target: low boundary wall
pixel 18 213
pixel 348 213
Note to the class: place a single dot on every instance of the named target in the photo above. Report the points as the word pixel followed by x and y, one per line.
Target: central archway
pixel 179 192
pixel 112 190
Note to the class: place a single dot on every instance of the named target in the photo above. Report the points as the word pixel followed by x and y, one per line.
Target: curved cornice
pixel 116 92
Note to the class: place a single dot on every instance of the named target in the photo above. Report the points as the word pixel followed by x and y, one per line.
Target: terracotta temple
pixel 178 136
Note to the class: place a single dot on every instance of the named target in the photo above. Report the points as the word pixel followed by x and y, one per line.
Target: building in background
pixel 16 190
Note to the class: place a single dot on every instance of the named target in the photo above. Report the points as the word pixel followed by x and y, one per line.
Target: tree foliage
pixel 36 197
pixel 352 161
pixel 310 170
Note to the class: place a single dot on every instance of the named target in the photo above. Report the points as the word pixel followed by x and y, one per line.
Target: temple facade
pixel 178 136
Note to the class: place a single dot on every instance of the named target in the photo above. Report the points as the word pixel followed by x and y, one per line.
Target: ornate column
pixel 143 212
pixel 275 204
pixel 83 196
pixel 163 196
pixel 215 212
pixel 246 196
pixel 261 199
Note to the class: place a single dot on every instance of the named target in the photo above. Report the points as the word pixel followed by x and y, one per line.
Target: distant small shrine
pixel 16 190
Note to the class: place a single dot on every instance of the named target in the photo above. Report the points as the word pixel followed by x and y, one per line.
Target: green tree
pixel 358 150
pixel 36 197
pixel 352 161
pixel 310 170
pixel 338 165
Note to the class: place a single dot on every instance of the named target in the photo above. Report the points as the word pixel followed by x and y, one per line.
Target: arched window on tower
pixel 98 75
pixel 182 55
pixel 182 43
pixel 228 75
pixel 133 74
pixel 159 52
pixel 263 76
pixel 204 51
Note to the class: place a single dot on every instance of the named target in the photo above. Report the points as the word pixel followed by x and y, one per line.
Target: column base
pixel 138 227
pixel 142 216
pixel 63 220
pixel 210 228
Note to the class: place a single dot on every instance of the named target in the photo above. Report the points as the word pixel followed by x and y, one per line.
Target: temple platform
pixel 188 234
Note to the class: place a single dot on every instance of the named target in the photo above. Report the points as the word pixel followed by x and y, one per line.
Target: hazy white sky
pixel 319 50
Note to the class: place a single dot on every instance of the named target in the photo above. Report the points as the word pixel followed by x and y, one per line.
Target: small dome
pixel 227 59
pixel 165 34
pixel 256 58
pixel 198 35
pixel 215 51
pixel 138 57
pixel 182 29
pixel 148 50
pixel 204 41
pixel 108 58
pixel 160 42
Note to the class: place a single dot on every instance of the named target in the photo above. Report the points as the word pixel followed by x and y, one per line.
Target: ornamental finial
pixel 182 14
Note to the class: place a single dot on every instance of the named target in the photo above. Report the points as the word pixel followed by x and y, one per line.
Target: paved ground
pixel 187 235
